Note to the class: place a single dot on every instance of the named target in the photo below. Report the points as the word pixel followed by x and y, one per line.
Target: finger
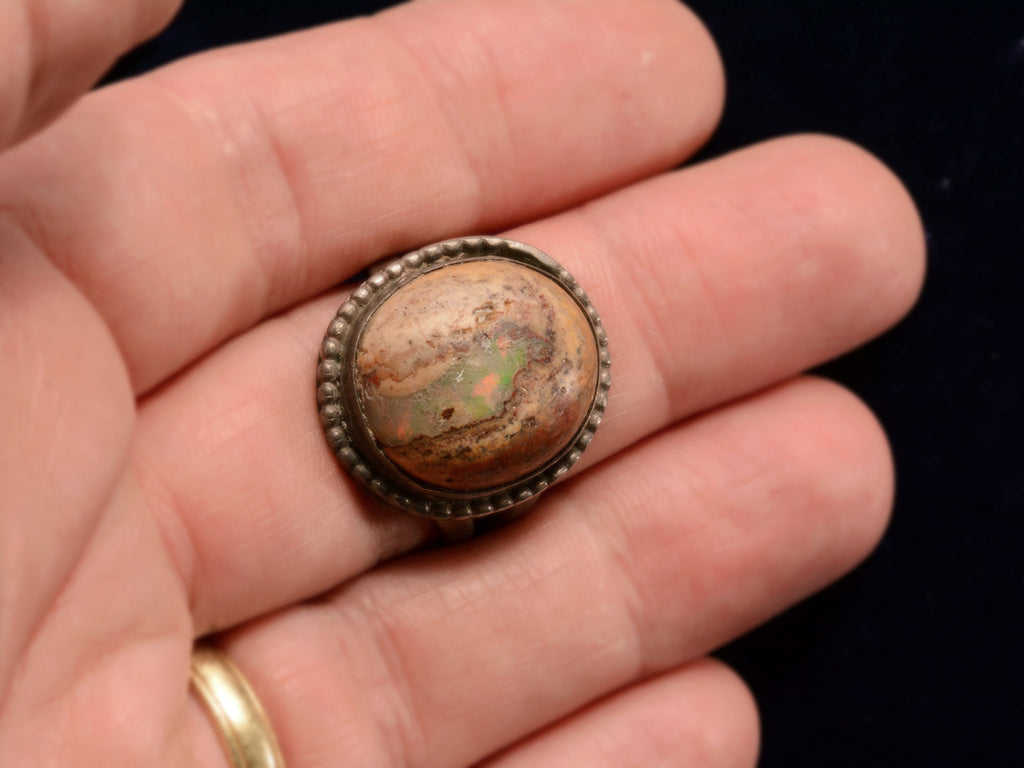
pixel 234 184
pixel 700 716
pixel 112 648
pixel 52 52
pixel 739 273
pixel 708 286
pixel 65 436
pixel 631 569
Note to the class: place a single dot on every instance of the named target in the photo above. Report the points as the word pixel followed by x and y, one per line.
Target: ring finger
pixel 632 569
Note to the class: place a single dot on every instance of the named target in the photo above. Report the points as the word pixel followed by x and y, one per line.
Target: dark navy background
pixel 915 658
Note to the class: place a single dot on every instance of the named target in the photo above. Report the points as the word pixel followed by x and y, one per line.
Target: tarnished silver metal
pixel 463 379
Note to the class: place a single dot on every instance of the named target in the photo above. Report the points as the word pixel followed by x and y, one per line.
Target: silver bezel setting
pixel 344 424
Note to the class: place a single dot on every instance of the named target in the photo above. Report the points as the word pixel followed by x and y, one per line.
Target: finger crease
pixel 402 731
pixel 474 167
pixel 168 515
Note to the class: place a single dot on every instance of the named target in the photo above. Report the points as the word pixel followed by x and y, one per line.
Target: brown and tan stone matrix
pixel 476 374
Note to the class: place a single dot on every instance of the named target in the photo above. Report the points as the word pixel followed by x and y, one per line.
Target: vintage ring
pixel 464 378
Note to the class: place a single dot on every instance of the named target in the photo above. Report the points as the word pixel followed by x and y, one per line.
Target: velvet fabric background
pixel 915 658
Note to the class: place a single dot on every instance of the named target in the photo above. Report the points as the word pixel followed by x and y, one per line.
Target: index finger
pixel 237 183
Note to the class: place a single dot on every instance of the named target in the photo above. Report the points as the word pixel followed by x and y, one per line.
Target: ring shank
pixel 241 723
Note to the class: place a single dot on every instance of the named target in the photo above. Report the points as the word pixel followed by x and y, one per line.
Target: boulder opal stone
pixel 475 375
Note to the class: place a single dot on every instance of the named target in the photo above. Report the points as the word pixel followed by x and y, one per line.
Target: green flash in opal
pixel 476 387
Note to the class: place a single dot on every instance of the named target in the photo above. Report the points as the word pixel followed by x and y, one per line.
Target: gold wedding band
pixel 239 719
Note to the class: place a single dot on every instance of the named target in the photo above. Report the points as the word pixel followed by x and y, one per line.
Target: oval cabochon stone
pixel 476 374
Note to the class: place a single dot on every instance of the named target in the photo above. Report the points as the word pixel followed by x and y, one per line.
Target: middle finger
pixel 708 288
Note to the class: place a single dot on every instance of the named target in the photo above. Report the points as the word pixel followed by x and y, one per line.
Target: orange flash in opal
pixel 487 385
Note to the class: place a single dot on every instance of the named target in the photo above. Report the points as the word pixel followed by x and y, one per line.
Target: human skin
pixel 171 249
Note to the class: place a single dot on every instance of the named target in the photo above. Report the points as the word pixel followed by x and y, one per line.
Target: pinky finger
pixel 701 715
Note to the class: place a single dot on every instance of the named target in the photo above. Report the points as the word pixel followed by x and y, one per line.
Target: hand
pixel 170 251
